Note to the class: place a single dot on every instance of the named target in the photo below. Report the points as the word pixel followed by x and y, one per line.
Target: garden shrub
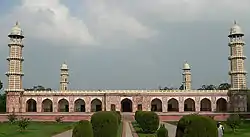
pixel 59 119
pixel 119 116
pixel 162 131
pixel 233 121
pixel 148 121
pixel 196 126
pixel 104 124
pixel 83 129
pixel 23 123
pixel 12 118
pixel 138 114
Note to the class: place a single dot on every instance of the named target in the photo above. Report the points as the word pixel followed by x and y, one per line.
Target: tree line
pixel 222 86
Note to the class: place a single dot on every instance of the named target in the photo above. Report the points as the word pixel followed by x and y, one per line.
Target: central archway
pixel 47 105
pixel 63 105
pixel 126 105
pixel 31 105
pixel 156 105
pixel 79 105
pixel 189 105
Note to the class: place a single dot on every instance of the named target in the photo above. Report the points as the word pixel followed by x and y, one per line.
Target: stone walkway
pixel 171 129
pixel 128 131
pixel 65 134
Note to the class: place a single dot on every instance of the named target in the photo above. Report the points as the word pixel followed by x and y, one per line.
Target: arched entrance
pixel 79 105
pixel 47 105
pixel 173 105
pixel 156 105
pixel 63 105
pixel 205 105
pixel 221 105
pixel 96 105
pixel 31 105
pixel 126 105
pixel 189 105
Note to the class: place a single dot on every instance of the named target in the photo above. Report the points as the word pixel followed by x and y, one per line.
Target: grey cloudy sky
pixel 129 44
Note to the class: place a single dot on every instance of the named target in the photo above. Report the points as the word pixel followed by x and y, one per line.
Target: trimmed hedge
pixel 196 126
pixel 148 121
pixel 119 116
pixel 83 129
pixel 138 115
pixel 162 131
pixel 104 124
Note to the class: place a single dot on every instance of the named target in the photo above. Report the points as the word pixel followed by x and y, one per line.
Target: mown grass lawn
pixel 34 129
pixel 242 131
pixel 140 132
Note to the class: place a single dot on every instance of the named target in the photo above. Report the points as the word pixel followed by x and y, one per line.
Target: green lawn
pixel 243 131
pixel 139 131
pixel 35 129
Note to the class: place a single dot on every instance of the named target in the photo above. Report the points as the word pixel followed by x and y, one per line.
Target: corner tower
pixel 238 98
pixel 64 77
pixel 14 73
pixel 186 77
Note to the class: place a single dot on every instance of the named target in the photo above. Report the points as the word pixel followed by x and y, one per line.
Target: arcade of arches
pixel 126 105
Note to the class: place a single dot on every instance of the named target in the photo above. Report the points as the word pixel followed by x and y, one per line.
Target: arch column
pixel 181 104
pixel 88 104
pixel 197 104
pixel 71 104
pixel 55 104
pixel 213 104
pixel 39 104
pixel 146 103
pixel 164 104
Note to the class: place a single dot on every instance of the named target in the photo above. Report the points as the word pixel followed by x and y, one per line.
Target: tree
pixel 194 125
pixel 38 88
pixel 3 102
pixel 233 121
pixel 83 129
pixel 208 87
pixel 181 87
pixel 162 131
pixel 224 86
pixel 1 84
pixel 104 124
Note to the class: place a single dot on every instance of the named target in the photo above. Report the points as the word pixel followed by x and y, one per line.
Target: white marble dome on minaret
pixel 16 31
pixel 186 66
pixel 64 66
pixel 236 30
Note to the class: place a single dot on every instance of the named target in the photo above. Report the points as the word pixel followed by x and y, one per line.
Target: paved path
pixel 127 129
pixel 64 134
pixel 171 129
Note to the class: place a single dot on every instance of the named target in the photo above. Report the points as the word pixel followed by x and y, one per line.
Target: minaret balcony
pixel 14 73
pixel 237 72
pixel 236 43
pixel 14 90
pixel 237 57
pixel 15 58
pixel 66 82
pixel 15 43
pixel 63 74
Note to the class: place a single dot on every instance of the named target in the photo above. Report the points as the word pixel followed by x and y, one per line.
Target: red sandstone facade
pixel 46 105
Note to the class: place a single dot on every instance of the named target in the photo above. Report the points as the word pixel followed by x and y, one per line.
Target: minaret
pixel 14 73
pixel 186 77
pixel 238 100
pixel 64 77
